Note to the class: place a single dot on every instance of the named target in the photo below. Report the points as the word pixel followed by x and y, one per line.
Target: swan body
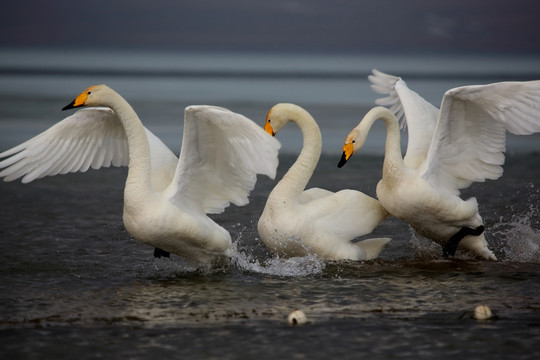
pixel 297 222
pixel 447 150
pixel 166 199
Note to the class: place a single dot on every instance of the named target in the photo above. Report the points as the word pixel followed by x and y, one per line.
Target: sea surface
pixel 74 284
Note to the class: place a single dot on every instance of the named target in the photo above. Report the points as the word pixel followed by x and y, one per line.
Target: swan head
pixel 353 142
pixel 276 118
pixel 95 95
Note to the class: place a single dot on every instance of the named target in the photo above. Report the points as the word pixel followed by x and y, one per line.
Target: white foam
pixel 521 242
pixel 278 266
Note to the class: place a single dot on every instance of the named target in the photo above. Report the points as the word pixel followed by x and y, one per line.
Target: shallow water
pixel 73 283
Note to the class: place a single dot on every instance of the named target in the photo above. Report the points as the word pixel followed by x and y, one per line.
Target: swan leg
pixel 159 253
pixel 451 245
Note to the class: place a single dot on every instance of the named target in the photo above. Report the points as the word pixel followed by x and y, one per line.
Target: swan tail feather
pixel 373 247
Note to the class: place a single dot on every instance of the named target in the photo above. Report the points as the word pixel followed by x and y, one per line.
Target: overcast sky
pixel 510 26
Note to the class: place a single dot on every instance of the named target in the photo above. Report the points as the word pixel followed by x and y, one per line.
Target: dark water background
pixel 73 284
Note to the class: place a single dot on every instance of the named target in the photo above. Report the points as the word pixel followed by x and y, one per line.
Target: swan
pixel 166 199
pixel 298 222
pixel 447 150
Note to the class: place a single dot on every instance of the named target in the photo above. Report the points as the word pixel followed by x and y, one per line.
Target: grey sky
pixel 277 25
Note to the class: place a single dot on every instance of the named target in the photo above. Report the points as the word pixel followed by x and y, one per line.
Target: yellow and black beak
pixel 78 102
pixel 348 150
pixel 269 129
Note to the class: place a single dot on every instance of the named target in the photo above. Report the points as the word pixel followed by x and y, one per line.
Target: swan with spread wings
pixel 447 150
pixel 166 199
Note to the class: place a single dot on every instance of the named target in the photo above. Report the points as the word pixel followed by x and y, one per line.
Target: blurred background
pixel 349 26
pixel 163 55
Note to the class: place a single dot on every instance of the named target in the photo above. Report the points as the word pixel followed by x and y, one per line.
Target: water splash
pixel 251 260
pixel 520 241
pixel 425 250
pixel 290 267
pixel 243 260
pixel 514 240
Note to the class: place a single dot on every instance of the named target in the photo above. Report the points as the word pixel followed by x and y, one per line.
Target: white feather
pixel 470 138
pixel 416 114
pixel 165 199
pixel 296 222
pixel 447 150
pixel 69 146
pixel 221 154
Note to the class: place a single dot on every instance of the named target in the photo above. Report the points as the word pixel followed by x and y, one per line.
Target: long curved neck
pixel 296 179
pixel 138 179
pixel 393 159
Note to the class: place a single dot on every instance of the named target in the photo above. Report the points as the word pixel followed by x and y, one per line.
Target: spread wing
pixel 413 111
pixel 90 138
pixel 470 137
pixel 222 153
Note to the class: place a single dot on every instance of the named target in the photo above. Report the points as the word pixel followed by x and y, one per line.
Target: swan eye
pixel 88 93
pixel 354 141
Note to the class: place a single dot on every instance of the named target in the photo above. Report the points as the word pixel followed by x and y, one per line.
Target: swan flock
pixel 167 198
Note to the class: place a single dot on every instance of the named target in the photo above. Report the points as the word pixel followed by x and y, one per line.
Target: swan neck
pixel 297 178
pixel 138 147
pixel 393 156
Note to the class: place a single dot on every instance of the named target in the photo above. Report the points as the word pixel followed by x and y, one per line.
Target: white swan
pixel 447 150
pixel 166 199
pixel 316 221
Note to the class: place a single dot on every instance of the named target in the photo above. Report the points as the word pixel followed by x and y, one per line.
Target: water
pixel 74 284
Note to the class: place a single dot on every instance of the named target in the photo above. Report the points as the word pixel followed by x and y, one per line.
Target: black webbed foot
pixel 451 245
pixel 159 253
